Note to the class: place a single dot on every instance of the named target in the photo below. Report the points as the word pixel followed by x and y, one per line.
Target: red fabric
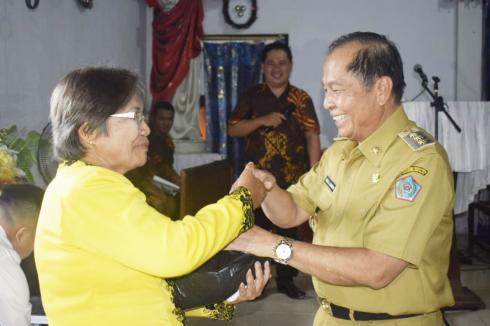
pixel 151 3
pixel 177 36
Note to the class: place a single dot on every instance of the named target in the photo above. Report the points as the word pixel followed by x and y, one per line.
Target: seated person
pixel 161 151
pixel 104 255
pixel 19 210
pixel 160 162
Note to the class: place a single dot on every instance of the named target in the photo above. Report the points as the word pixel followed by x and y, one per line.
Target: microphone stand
pixel 464 298
pixel 438 104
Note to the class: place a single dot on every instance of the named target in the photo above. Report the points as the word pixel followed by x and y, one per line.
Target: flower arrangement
pixel 17 155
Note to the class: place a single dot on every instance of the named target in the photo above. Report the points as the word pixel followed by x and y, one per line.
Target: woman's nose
pixel 144 128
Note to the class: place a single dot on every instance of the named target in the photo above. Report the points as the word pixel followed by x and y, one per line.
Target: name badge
pixel 330 184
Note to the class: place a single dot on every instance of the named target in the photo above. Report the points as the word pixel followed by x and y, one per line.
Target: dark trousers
pixel 285 273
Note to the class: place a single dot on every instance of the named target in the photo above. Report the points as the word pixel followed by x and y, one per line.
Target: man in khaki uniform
pixel 379 201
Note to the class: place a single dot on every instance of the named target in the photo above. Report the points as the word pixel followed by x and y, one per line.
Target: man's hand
pixel 273 119
pixel 254 185
pixel 267 179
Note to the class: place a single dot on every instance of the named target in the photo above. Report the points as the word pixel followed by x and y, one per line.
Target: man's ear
pixel 383 88
pixel 21 233
pixel 24 240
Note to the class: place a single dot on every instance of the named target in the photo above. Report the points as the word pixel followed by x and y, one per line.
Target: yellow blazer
pixel 103 253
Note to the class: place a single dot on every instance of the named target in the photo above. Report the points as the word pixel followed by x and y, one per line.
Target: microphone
pixel 418 69
pixel 287 113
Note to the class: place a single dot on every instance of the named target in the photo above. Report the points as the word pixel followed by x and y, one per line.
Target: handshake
pixel 257 181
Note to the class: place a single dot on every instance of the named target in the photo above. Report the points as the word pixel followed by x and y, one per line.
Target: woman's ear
pixel 86 137
pixel 384 86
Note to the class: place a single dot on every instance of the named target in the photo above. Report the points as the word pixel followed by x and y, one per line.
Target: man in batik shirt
pixel 281 130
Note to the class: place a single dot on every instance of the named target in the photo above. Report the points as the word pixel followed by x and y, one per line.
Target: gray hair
pixel 88 96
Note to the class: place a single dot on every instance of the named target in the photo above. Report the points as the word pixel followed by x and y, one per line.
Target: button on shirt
pixel 15 309
pixel 387 196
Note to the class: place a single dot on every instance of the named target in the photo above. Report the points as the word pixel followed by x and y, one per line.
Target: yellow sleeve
pixel 220 311
pixel 107 216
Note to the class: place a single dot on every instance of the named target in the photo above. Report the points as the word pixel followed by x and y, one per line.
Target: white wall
pixel 424 30
pixel 469 51
pixel 38 47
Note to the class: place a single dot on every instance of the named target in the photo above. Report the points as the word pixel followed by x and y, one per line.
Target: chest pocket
pixel 325 198
pixel 322 196
pixel 324 203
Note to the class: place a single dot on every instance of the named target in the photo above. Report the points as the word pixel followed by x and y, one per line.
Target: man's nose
pixel 328 103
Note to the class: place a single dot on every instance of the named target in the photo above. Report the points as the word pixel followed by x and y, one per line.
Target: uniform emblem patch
pixel 407 188
pixel 416 138
pixel 416 169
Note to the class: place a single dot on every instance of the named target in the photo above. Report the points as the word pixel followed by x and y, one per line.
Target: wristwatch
pixel 283 250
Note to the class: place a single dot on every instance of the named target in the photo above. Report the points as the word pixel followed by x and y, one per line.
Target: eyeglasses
pixel 138 116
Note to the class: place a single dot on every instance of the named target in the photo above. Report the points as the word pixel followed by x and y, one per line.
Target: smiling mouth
pixel 339 117
pixel 276 75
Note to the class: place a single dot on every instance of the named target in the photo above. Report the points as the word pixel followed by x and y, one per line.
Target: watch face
pixel 283 251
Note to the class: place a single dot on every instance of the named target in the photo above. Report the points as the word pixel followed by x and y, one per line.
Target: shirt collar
pixel 347 147
pixel 375 146
pixel 266 88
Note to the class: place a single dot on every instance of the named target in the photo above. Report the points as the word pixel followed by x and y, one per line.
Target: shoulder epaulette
pixel 416 138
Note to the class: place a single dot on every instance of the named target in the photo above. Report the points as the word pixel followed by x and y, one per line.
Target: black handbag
pixel 213 282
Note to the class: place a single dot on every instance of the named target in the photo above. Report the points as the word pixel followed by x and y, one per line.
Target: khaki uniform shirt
pixel 392 193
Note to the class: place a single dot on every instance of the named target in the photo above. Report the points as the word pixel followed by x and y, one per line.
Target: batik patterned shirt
pixel 282 150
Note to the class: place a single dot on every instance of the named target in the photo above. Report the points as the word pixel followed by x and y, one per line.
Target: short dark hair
pixel 89 95
pixel 162 105
pixel 157 106
pixel 277 46
pixel 377 57
pixel 20 202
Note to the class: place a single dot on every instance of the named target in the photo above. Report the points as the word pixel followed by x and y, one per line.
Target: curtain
pixel 468 151
pixel 186 104
pixel 229 68
pixel 177 35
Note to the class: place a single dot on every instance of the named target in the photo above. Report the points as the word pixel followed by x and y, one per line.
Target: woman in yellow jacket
pixel 102 252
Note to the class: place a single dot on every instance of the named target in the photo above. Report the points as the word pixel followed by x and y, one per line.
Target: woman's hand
pixel 254 287
pixel 268 180
pixel 254 185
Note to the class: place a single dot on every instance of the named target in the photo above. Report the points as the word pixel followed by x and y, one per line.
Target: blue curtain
pixel 230 68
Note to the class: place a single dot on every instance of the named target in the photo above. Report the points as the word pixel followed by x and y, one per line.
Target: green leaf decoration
pixel 26 148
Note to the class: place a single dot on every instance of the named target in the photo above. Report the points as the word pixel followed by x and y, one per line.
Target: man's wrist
pixel 260 122
pixel 283 250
